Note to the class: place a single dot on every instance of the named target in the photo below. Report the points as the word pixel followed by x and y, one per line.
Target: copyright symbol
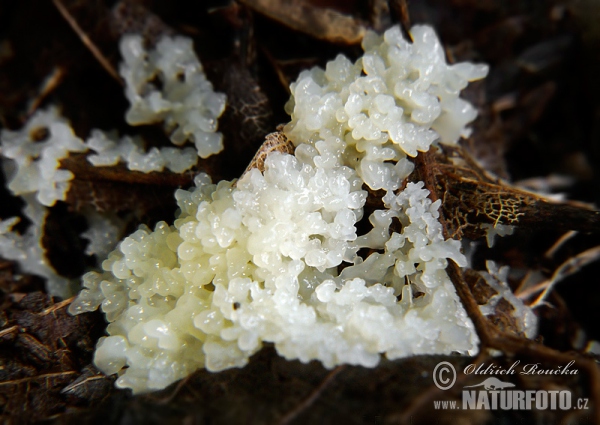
pixel 444 375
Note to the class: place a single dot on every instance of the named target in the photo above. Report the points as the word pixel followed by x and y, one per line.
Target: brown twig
pixel 34 378
pixel 73 386
pixel 51 82
pixel 57 306
pixel 87 41
pixel 400 12
pixel 572 265
pixel 559 243
pixel 10 330
pixel 180 385
pixel 569 267
pixel 308 401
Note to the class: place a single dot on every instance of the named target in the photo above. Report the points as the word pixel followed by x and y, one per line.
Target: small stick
pixel 307 402
pixel 559 243
pixel 57 306
pixel 10 330
pixel 87 41
pixel 572 265
pixel 51 82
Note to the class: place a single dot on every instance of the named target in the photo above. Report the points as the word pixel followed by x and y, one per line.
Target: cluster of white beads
pixel 277 257
pixel 109 150
pixel 35 162
pixel 185 101
pixel 259 263
pixel 394 101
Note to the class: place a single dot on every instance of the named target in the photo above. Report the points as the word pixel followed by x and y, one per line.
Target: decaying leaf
pixel 322 23
pixel 472 197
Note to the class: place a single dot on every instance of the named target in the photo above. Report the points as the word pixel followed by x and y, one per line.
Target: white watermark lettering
pixel 516 400
pixel 493 393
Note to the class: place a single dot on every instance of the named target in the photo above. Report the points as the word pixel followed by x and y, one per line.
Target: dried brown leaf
pixel 471 197
pixel 321 23
pixel 118 189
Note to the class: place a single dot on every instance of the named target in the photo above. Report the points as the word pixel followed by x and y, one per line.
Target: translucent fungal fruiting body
pixel 31 162
pixel 186 102
pixel 275 257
